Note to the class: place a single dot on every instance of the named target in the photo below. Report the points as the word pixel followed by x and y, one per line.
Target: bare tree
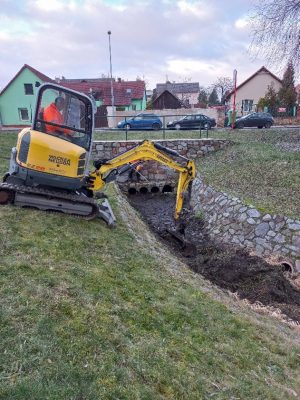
pixel 276 31
pixel 222 86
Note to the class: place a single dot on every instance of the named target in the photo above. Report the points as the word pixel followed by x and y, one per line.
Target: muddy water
pixel 228 267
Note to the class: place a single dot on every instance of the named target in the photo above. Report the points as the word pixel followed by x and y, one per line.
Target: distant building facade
pixel 18 97
pixel 128 95
pixel 186 92
pixel 251 90
pixel 166 100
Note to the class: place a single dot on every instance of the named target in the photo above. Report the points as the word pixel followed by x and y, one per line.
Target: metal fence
pixel 159 124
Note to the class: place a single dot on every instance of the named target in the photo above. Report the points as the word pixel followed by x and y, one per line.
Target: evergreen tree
pixel 213 98
pixel 202 98
pixel 287 94
pixel 270 100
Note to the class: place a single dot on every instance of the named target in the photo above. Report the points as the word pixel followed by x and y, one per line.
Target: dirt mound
pixel 229 267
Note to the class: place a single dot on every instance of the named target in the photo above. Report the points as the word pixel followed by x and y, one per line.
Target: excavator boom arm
pixel 144 152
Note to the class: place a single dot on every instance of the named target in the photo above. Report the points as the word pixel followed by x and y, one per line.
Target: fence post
pixel 164 131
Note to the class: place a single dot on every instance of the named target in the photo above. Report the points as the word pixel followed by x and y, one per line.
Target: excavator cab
pixel 66 114
pixel 55 152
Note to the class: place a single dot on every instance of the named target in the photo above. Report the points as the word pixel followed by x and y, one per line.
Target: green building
pixel 18 97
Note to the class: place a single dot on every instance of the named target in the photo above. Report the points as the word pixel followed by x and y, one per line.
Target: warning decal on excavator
pixel 59 160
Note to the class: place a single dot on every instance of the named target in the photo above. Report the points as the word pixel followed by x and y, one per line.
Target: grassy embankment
pixel 262 168
pixel 92 313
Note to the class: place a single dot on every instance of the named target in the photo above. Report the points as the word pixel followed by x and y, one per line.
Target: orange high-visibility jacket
pixel 52 114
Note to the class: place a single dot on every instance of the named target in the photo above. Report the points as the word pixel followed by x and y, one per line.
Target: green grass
pixel 259 169
pixel 88 313
pixel 93 313
pixel 7 141
pixel 151 135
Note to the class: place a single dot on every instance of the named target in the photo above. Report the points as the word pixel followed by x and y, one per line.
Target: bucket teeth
pixel 105 212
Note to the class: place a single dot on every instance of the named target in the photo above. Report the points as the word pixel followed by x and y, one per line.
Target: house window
pixel 247 105
pixel 120 108
pixel 133 107
pixel 28 87
pixel 23 114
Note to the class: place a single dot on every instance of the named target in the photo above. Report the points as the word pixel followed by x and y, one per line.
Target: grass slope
pixel 92 313
pixel 88 313
pixel 259 168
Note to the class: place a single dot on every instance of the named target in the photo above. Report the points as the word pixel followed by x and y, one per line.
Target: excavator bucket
pixel 105 212
pixel 188 249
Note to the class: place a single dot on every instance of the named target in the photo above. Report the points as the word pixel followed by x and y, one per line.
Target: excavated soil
pixel 231 268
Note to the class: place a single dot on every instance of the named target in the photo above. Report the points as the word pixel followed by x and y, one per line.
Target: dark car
pixel 256 119
pixel 140 122
pixel 194 121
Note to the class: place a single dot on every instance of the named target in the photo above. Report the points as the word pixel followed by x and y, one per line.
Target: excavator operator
pixel 52 113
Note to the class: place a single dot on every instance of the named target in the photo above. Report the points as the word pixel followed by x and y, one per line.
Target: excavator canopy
pixel 64 113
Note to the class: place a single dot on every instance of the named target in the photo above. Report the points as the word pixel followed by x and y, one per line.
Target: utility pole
pixel 234 98
pixel 111 82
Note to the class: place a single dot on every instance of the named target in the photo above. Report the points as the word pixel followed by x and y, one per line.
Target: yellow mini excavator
pixel 50 165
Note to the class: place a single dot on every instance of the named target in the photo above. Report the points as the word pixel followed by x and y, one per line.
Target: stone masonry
pixel 154 171
pixel 230 221
pixel 226 217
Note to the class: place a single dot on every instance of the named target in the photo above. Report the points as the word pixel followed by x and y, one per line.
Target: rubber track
pixel 75 198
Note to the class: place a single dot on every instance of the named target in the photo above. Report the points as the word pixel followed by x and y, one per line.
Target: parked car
pixel 140 122
pixel 194 121
pixel 256 119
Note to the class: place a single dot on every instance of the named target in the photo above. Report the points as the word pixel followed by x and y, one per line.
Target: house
pixel 166 100
pixel 17 98
pixel 128 95
pixel 251 90
pixel 186 92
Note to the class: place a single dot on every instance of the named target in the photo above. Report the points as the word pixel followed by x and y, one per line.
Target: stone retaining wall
pixel 230 221
pixel 152 170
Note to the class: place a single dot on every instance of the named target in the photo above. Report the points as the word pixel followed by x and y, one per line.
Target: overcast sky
pixel 178 40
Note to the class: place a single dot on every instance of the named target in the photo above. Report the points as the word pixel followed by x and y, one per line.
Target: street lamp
pixel 111 81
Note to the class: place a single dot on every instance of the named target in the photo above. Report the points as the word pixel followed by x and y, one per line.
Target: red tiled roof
pixel 122 95
pixel 251 77
pixel 41 76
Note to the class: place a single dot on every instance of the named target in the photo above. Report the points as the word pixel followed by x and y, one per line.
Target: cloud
pixel 242 22
pixel 198 9
pixel 175 38
pixel 46 5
